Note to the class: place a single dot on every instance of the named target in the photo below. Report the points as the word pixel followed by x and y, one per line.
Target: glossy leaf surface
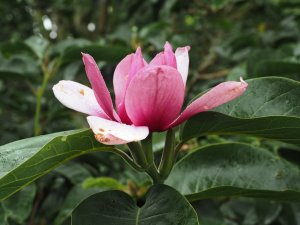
pixel 163 206
pixel 26 160
pixel 235 169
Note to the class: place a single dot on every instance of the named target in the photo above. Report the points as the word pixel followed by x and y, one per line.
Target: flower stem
pixel 126 158
pixel 138 154
pixel 39 95
pixel 151 168
pixel 147 148
pixel 177 149
pixel 168 156
pixel 143 155
pixel 47 75
pixel 154 174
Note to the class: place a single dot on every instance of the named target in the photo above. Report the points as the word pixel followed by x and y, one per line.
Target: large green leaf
pixel 235 169
pixel 163 206
pixel 281 128
pixel 270 108
pixel 26 160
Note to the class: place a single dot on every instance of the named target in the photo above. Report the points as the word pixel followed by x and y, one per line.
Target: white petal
pixel 182 60
pixel 78 97
pixel 113 133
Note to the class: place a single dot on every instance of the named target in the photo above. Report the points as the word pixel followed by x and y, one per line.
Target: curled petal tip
pixel 138 53
pixel 182 50
pixel 168 46
pixel 138 50
pixel 244 83
pixel 84 55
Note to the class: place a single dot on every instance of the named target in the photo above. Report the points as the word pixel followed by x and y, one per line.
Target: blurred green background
pixel 40 44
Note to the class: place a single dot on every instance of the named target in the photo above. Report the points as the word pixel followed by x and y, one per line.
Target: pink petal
pixel 182 59
pixel 78 97
pixel 218 95
pixel 154 97
pixel 113 133
pixel 136 64
pixel 98 84
pixel 123 75
pixel 169 55
pixel 120 78
pixel 123 114
pixel 165 58
pixel 159 59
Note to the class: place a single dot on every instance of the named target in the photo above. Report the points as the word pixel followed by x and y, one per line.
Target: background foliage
pixel 40 44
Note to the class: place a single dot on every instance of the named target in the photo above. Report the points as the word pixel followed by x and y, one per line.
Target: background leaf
pixel 19 206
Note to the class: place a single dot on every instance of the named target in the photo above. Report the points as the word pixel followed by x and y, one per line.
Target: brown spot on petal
pixel 81 92
pixel 106 140
pixel 101 130
pixel 100 137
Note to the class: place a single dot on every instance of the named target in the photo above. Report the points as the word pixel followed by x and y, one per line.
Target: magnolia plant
pixel 149 100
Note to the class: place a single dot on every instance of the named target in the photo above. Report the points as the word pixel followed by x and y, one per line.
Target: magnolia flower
pixel 148 96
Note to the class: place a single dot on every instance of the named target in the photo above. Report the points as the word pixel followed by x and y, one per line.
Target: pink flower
pixel 148 97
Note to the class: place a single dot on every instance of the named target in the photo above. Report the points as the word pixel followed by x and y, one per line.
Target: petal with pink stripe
pixel 154 97
pixel 98 84
pixel 218 95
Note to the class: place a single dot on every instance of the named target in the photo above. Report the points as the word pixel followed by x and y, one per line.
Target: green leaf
pixel 280 128
pixel 158 141
pixel 235 169
pixel 75 172
pixel 3 220
pixel 106 53
pixel 209 212
pixel 18 207
pixel 259 56
pixel 251 211
pixel 60 47
pixel 290 214
pixel 102 182
pixel 18 66
pixel 270 108
pixel 163 206
pixel 26 160
pixel 74 197
pixel 277 68
pixel 38 45
pixel 11 48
